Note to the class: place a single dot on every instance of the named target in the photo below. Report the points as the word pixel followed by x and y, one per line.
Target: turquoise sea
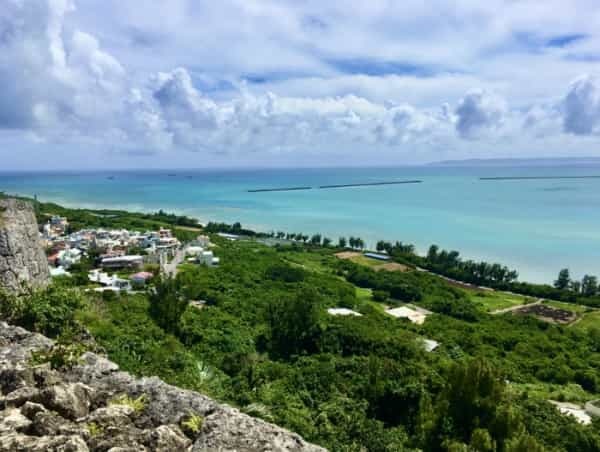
pixel 537 226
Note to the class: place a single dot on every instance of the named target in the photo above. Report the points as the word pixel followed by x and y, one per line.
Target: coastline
pixel 370 241
pixel 483 224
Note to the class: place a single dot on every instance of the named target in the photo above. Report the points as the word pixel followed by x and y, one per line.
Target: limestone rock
pixel 22 260
pixel 70 409
pixel 166 438
pixel 70 400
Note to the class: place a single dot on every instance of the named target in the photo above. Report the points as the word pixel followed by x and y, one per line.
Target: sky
pixel 234 83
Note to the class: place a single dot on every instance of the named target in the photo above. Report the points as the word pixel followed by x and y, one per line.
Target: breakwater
pixel 260 190
pixel 369 184
pixel 324 187
pixel 537 177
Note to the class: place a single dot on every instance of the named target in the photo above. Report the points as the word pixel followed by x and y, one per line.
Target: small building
pixel 194 250
pixel 207 258
pixel 407 313
pixel 430 345
pixel 68 257
pixel 202 241
pixel 228 236
pixel 109 282
pixel 58 271
pixel 377 256
pixel 343 311
pixel 133 261
pixel 141 278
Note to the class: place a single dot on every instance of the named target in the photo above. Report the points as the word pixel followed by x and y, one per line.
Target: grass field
pixel 364 294
pixel 589 320
pixel 492 300
pixel 576 308
pixel 317 262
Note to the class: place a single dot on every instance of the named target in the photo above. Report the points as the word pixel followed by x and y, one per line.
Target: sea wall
pixel 22 260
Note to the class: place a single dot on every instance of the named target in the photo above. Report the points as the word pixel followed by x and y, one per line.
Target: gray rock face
pixel 95 407
pixel 22 259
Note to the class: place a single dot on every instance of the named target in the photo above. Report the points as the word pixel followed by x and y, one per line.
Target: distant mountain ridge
pixel 548 161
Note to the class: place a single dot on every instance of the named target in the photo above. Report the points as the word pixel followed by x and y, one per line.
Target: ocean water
pixel 537 226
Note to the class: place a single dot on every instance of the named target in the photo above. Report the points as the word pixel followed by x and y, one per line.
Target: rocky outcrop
pixel 93 406
pixel 22 259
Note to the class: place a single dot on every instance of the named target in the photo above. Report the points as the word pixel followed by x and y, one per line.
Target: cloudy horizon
pixel 101 84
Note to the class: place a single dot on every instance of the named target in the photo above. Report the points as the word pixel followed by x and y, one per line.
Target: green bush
pixel 48 311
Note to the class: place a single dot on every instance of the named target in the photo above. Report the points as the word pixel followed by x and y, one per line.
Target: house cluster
pixel 117 249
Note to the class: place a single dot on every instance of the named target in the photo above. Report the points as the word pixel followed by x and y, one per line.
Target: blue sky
pixel 139 83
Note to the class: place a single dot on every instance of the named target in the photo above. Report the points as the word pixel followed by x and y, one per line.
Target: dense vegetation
pixel 261 338
pixel 264 341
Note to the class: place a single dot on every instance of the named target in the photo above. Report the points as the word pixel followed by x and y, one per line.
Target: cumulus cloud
pixel 61 84
pixel 479 111
pixel 582 106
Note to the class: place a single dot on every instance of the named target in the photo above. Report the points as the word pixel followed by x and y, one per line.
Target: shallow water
pixel 537 226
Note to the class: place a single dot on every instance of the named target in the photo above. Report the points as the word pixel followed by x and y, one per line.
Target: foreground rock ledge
pixel 75 410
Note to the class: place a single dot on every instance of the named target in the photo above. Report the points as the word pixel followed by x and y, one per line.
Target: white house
pixel 132 261
pixel 407 313
pixel 207 258
pixel 110 282
pixel 194 250
pixel 343 311
pixel 68 257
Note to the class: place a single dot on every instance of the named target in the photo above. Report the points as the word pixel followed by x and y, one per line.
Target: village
pixel 121 259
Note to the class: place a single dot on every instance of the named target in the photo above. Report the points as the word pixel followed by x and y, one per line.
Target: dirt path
pixel 519 306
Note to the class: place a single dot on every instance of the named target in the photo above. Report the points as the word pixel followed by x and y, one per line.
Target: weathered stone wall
pixel 22 259
pixel 79 409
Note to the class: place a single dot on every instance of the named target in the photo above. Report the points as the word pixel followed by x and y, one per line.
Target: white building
pixel 202 241
pixel 132 261
pixel 68 257
pixel 343 311
pixel 109 282
pixel 407 313
pixel 207 258
pixel 194 250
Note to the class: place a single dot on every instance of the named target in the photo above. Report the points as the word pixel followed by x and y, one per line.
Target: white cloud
pixel 478 112
pixel 111 77
pixel 582 106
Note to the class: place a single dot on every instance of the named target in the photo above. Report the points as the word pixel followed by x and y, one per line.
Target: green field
pixel 576 308
pixel 317 262
pixel 589 320
pixel 492 300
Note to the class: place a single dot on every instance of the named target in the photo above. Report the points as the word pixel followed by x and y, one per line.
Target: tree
pixel 315 239
pixel 432 254
pixel 564 279
pixel 294 324
pixel 326 242
pixel 167 303
pixel 342 242
pixel 589 285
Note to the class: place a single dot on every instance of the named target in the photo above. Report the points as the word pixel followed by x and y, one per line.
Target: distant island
pixel 503 162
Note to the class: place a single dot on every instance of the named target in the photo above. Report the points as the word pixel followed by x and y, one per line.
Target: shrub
pixel 285 273
pixel 381 295
pixel 48 311
pixel 192 425
pixel 137 404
